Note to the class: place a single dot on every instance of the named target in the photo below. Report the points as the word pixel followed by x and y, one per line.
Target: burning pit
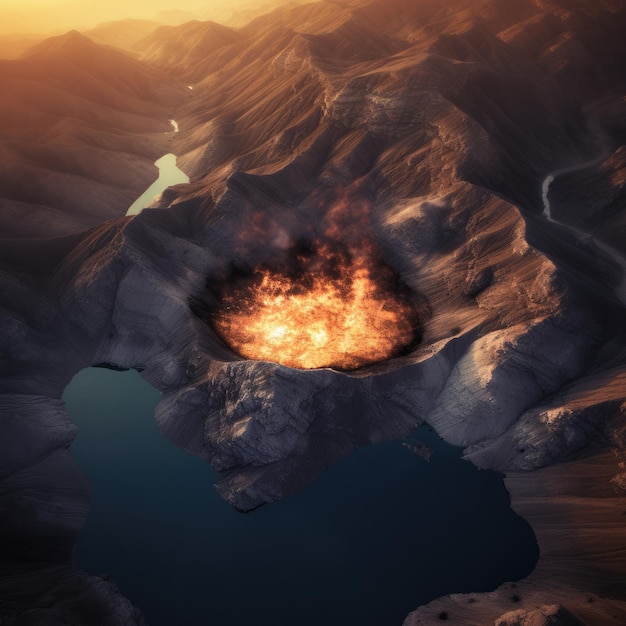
pixel 325 305
pixel 310 290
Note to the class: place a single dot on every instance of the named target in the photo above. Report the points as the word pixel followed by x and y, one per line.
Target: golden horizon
pixel 51 17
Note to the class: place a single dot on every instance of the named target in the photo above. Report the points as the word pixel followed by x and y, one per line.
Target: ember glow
pixel 326 308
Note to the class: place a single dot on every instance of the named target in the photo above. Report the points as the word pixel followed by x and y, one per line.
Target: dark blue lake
pixel 378 534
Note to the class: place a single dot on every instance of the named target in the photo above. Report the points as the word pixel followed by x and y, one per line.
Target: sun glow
pixel 57 16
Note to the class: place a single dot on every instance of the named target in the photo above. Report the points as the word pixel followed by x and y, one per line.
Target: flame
pixel 328 308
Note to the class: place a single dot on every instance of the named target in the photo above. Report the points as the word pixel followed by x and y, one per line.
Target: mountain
pixel 176 16
pixel 81 126
pixel 467 158
pixel 182 50
pixel 122 34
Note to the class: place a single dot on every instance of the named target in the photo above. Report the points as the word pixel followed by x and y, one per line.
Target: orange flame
pixel 335 310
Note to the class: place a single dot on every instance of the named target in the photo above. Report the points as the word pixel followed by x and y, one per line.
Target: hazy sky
pixel 47 16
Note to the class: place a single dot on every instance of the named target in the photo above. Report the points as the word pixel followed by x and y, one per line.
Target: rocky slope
pixel 441 123
pixel 81 126
pixel 182 50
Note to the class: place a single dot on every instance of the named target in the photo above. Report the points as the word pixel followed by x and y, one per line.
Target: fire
pixel 327 307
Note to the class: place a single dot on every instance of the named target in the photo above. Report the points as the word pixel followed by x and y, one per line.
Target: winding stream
pixel 169 174
pixel 617 257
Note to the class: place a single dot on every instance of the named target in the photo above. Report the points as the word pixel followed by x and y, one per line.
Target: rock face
pixel 443 123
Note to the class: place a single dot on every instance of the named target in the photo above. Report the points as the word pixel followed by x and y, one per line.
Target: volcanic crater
pixel 320 304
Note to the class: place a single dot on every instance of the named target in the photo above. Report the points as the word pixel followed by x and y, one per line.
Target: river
pixel 615 255
pixel 169 174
